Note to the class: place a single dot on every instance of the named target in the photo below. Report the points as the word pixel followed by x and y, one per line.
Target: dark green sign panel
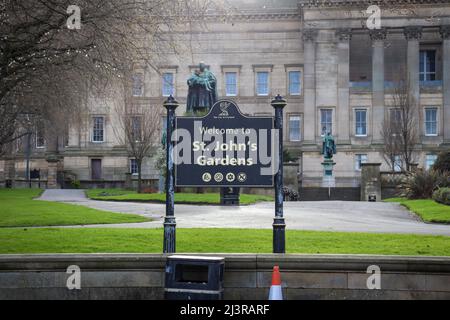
pixel 225 149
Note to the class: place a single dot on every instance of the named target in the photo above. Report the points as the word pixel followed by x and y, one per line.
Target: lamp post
pixel 279 225
pixel 169 221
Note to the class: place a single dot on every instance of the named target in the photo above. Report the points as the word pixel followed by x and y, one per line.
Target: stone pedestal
pixel 10 172
pixel 328 180
pixel 128 182
pixel 290 176
pixel 371 182
pixel 52 175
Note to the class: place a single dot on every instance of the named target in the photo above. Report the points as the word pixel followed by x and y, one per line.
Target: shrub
pixel 288 157
pixel 442 163
pixel 75 184
pixel 422 184
pixel 442 195
pixel 150 190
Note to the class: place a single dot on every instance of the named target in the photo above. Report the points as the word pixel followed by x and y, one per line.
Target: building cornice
pixel 344 34
pixel 413 33
pixel 364 3
pixel 445 32
pixel 378 34
pixel 256 15
pixel 309 35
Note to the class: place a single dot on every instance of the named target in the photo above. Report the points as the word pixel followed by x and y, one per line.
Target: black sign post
pixel 225 149
pixel 279 225
pixel 169 222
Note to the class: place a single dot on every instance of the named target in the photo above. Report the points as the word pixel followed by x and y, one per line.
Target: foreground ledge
pixel 247 276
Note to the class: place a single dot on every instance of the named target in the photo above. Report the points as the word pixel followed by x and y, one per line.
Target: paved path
pixel 320 216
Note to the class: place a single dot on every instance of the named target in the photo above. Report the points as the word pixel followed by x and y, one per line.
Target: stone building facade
pixel 334 71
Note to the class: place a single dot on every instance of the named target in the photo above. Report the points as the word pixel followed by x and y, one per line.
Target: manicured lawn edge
pixel 20 208
pixel 428 210
pixel 110 240
pixel 210 199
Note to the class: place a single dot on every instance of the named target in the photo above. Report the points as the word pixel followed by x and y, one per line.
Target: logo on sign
pixel 231 177
pixel 218 177
pixel 206 177
pixel 224 109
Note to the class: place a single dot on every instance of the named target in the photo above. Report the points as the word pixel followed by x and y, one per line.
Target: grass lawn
pixel 191 198
pixel 18 209
pixel 216 241
pixel 429 210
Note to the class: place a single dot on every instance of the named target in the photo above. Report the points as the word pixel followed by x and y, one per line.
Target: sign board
pixel 225 149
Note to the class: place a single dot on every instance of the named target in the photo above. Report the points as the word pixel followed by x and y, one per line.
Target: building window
pixel 295 83
pixel 138 82
pixel 431 121
pixel 294 128
pixel 396 116
pixel 98 132
pixel 168 84
pixel 398 163
pixel 427 65
pixel 136 128
pixel 40 136
pixel 231 83
pixel 360 159
pixel 430 159
pixel 326 121
pixel 133 167
pixel 361 122
pixel 395 119
pixel 262 83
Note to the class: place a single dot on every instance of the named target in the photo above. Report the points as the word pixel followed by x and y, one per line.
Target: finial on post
pixel 278 102
pixel 171 103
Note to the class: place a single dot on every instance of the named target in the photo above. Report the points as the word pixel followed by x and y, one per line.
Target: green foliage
pixel 422 184
pixel 428 210
pixel 161 161
pixel 442 195
pixel 18 209
pixel 191 198
pixel 287 156
pixel 104 240
pixel 76 184
pixel 442 163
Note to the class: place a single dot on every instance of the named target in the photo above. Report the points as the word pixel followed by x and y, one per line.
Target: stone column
pixel 413 35
pixel 309 37
pixel 445 33
pixel 378 102
pixel 343 110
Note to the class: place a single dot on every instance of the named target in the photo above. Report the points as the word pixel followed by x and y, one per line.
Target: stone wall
pixel 246 276
pixel 336 194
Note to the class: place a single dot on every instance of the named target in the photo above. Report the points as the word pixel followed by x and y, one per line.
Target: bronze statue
pixel 328 146
pixel 202 90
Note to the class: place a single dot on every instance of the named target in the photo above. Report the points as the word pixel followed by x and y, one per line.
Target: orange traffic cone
pixel 275 290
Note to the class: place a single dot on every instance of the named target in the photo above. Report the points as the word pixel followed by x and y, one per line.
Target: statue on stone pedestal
pixel 328 146
pixel 202 90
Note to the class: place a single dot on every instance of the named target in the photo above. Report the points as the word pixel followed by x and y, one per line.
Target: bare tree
pixel 138 129
pixel 45 67
pixel 399 129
